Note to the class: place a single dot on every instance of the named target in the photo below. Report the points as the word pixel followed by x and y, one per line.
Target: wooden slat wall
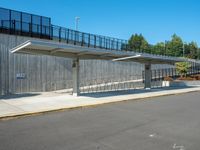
pixel 47 73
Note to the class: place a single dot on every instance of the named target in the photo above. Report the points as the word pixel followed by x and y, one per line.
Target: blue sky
pixel 157 20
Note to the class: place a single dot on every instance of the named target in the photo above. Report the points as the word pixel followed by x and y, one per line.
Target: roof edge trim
pixel 21 46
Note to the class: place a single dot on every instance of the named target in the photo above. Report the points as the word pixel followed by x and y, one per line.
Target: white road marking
pixel 178 147
pixel 152 135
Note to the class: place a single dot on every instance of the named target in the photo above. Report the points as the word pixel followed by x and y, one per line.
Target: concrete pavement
pixel 26 104
pixel 159 123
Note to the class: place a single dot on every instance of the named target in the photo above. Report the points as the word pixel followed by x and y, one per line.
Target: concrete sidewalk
pixel 27 104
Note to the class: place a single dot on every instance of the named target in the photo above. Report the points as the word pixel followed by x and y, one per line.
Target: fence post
pixel 51 32
pixel 68 36
pixel 14 25
pixel 106 43
pixel 89 40
pixel 10 22
pixel 117 45
pixel 31 26
pixel 95 41
pixel 82 41
pixel 100 42
pixel 65 35
pixel 21 23
pixel 40 27
pixel 60 34
pixel 75 37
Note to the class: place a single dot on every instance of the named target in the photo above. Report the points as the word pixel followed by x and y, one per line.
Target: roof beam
pixel 82 53
pixel 55 50
pixel 105 54
pixel 127 58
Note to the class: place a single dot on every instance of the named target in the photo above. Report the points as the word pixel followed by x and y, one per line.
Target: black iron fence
pixel 160 74
pixel 20 23
pixel 88 40
pixel 61 34
pixel 25 29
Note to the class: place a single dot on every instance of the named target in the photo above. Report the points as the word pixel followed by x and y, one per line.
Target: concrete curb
pixel 156 94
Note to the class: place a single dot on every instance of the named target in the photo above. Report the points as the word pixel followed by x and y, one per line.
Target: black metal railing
pixel 160 74
pixel 62 34
pixel 86 39
pixel 25 24
pixel 25 29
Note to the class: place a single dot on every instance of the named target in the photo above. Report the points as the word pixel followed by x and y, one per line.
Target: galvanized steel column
pixel 147 76
pixel 75 76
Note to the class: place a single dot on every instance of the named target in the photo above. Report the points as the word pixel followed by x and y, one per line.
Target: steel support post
pixel 147 76
pixel 75 74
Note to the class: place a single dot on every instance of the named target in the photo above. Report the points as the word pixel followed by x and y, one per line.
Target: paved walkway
pixel 25 104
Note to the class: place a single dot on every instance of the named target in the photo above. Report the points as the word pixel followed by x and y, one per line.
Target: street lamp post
pixel 76 22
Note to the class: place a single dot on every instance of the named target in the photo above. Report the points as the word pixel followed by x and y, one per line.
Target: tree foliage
pixel 159 48
pixel 138 43
pixel 174 47
pixel 182 68
pixel 193 50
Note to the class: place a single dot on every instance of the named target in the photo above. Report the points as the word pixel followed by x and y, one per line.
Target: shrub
pixel 182 68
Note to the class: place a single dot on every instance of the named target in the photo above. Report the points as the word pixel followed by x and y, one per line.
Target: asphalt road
pixel 162 123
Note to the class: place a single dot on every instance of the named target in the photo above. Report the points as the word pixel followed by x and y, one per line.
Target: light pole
pixel 76 22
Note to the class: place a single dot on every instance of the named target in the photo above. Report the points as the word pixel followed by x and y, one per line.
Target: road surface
pixel 162 123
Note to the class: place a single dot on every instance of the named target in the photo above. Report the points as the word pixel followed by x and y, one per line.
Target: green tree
pixel 186 50
pixel 138 43
pixel 175 46
pixel 192 50
pixel 159 48
pixel 182 68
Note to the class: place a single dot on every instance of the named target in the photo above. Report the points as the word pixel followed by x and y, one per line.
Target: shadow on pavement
pixel 98 94
pixel 127 92
pixel 7 97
